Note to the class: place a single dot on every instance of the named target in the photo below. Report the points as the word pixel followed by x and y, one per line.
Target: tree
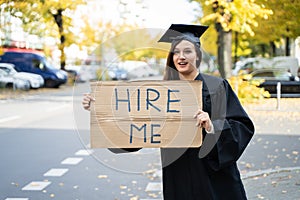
pixel 283 24
pixel 39 17
pixel 134 44
pixel 227 16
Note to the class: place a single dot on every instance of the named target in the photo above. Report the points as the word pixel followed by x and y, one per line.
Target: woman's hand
pixel 86 101
pixel 203 121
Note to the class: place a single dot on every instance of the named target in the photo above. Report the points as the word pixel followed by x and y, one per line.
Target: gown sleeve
pixel 233 128
pixel 123 150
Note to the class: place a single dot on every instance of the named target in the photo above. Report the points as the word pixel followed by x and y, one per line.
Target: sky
pixel 162 13
pixel 148 13
pixel 153 14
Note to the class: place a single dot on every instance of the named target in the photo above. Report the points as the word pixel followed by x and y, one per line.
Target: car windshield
pixel 6 70
pixel 281 75
pixel 3 72
pixel 272 75
pixel 263 74
pixel 48 64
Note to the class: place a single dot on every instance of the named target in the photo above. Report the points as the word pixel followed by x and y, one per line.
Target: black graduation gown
pixel 211 172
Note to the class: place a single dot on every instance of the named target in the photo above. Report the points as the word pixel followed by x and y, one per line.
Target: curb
pixel 268 172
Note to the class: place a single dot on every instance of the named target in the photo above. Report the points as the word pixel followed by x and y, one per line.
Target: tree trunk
pixel 59 21
pixel 273 49
pixel 224 51
pixel 287 47
pixel 263 49
pixel 236 44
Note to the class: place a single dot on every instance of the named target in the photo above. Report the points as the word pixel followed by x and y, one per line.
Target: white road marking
pixel 84 152
pixel 51 109
pixel 6 119
pixel 150 199
pixel 71 161
pixel 56 172
pixel 16 199
pixel 154 186
pixel 158 173
pixel 36 186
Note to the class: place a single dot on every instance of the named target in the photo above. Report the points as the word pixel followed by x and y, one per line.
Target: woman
pixel 208 172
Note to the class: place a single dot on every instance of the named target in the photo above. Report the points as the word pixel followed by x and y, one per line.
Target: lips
pixel 182 63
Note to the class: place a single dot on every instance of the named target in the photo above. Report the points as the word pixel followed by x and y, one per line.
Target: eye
pixel 176 52
pixel 187 51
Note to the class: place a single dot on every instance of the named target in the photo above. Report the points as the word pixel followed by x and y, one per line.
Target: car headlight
pixel 124 76
pixel 112 74
pixel 41 80
pixel 59 75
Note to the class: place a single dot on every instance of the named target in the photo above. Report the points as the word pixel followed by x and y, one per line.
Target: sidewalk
pixel 270 120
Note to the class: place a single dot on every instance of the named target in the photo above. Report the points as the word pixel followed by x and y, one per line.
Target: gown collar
pixel 199 77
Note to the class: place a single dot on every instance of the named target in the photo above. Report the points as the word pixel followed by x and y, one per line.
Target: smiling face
pixel 185 58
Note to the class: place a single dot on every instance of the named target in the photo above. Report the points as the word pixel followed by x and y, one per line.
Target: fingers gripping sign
pixel 86 101
pixel 203 121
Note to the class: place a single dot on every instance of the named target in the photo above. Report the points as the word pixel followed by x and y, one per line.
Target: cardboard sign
pixel 149 114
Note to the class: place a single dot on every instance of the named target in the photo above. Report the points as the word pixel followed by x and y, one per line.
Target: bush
pixel 247 90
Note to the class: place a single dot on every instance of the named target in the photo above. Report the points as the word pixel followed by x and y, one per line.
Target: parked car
pixel 115 72
pixel 290 85
pixel 138 69
pixel 33 61
pixel 7 81
pixel 286 62
pixel 35 80
pixel 78 73
pixel 248 65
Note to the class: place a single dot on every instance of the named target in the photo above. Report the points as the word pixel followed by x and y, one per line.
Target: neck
pixel 190 76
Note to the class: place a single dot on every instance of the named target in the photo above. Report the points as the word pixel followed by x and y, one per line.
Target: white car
pixel 7 81
pixel 81 74
pixel 35 80
pixel 138 69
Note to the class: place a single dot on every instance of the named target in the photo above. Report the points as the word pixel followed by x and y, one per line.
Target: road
pixel 45 154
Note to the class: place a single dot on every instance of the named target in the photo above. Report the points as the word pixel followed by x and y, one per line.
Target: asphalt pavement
pixel 270 167
pixel 276 122
pixel 274 184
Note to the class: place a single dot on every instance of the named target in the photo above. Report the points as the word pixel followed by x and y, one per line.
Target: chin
pixel 185 70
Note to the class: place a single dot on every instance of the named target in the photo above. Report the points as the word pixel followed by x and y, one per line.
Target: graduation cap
pixel 183 31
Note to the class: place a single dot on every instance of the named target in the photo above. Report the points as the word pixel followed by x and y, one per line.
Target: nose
pixel 181 55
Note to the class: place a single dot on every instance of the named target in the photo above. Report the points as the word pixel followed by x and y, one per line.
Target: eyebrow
pixel 187 48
